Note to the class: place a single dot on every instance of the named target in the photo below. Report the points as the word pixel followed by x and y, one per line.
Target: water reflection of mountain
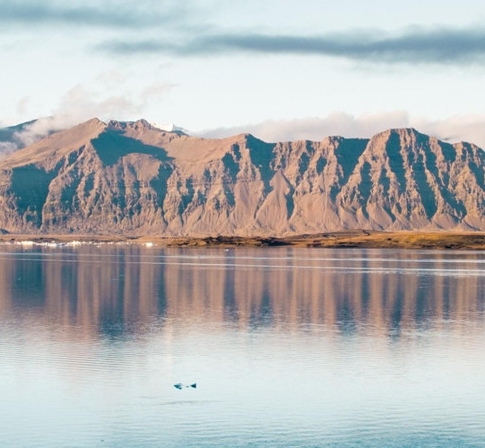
pixel 128 288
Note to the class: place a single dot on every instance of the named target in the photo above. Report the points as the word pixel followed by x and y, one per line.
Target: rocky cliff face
pixel 134 179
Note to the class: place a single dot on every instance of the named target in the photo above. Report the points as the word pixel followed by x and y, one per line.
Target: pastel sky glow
pixel 280 69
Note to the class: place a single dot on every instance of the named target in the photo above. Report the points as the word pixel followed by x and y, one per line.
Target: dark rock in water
pixel 182 386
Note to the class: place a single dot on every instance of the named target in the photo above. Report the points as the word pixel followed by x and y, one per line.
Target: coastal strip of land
pixel 344 239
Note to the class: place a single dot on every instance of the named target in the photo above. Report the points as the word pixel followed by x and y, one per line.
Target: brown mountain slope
pixel 133 179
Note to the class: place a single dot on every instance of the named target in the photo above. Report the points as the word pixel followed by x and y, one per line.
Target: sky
pixel 280 69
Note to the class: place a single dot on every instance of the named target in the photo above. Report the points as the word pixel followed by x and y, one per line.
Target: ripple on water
pixel 289 348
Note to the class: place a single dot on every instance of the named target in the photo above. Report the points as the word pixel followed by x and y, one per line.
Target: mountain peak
pixel 171 127
pixel 94 121
pixel 138 125
pixel 144 125
pixel 401 132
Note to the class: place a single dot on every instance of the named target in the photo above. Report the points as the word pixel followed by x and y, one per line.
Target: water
pixel 289 347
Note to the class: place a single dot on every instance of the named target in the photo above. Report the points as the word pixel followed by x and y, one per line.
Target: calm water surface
pixel 289 347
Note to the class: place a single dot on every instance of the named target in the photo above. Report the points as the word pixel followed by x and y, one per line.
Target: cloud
pixel 81 104
pixel 77 106
pixel 7 148
pixel 102 14
pixel 155 91
pixel 316 128
pixel 34 131
pixel 459 128
pixel 437 45
pixel 181 29
pixel 469 128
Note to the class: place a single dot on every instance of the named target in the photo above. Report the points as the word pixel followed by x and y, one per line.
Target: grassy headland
pixel 345 239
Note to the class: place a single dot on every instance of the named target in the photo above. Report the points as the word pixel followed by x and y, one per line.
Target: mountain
pixel 131 178
pixel 9 137
pixel 16 137
pixel 8 134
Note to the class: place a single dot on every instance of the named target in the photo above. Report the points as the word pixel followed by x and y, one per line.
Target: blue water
pixel 288 347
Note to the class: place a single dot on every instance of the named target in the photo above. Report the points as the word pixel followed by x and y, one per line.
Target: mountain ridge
pixel 132 178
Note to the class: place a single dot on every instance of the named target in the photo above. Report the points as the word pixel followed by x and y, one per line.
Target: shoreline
pixel 445 240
